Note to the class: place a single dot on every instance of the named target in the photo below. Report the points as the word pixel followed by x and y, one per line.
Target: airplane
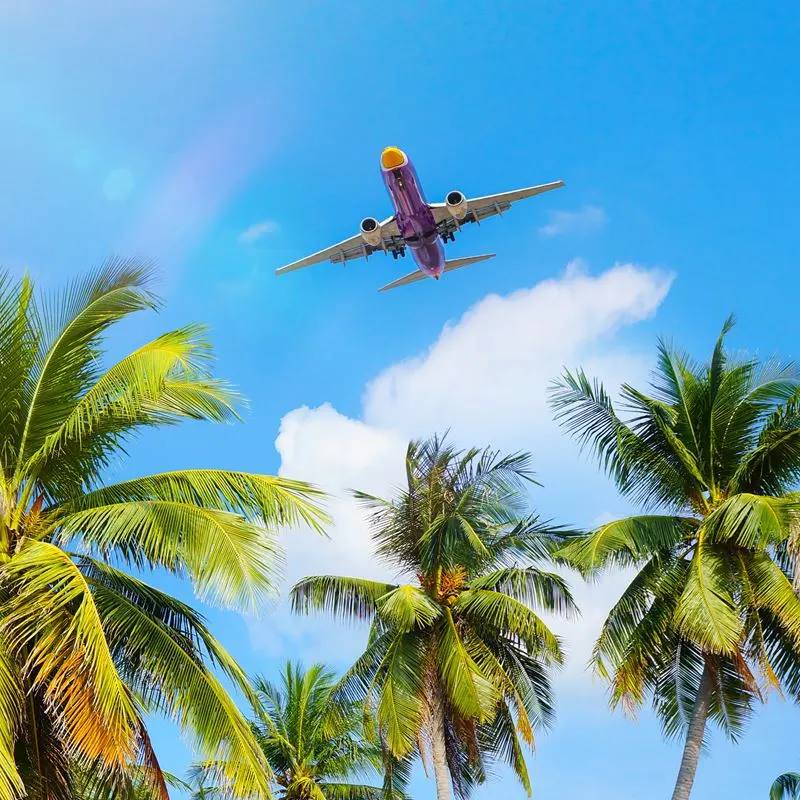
pixel 422 227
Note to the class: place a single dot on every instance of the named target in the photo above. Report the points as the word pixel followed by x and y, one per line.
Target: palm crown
pixel 711 617
pixel 316 743
pixel 86 649
pixel 456 660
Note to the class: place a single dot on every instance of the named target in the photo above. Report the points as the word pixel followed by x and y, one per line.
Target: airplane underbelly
pixel 415 220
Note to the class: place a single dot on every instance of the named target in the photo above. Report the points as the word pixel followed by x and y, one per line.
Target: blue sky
pixel 170 128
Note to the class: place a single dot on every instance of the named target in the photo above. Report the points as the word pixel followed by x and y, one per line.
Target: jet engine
pixel 371 231
pixel 456 204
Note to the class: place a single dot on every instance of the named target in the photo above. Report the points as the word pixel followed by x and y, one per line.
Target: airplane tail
pixel 449 266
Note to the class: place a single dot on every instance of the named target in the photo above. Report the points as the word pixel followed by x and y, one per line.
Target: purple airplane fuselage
pixel 412 213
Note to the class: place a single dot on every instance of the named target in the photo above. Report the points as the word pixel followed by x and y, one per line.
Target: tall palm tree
pixel 786 787
pixel 317 744
pixel 86 648
pixel 457 660
pixel 710 620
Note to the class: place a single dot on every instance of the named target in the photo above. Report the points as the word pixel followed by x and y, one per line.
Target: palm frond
pixel 218 526
pixel 350 598
pixel 500 737
pixel 172 679
pixel 753 521
pixel 396 776
pixel 706 612
pixel 73 328
pixel 230 560
pixel 529 540
pixel 639 464
pixel 54 625
pixel 19 345
pixel 468 689
pixel 270 500
pixel 161 383
pixel 401 706
pixel 407 607
pixel 508 617
pixel 786 787
pixel 185 626
pixel 530 586
pixel 772 590
pixel 11 703
pixel 626 542
pixel 351 791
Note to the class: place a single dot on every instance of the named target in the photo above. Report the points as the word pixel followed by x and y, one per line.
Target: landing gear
pixel 398 252
pixel 448 236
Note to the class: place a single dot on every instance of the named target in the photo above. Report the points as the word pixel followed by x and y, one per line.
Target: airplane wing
pixel 480 208
pixel 350 249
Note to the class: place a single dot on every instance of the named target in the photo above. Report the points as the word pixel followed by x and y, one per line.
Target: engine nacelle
pixel 456 204
pixel 371 231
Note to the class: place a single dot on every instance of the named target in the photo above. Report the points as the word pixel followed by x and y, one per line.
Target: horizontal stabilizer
pixel 457 263
pixel 449 266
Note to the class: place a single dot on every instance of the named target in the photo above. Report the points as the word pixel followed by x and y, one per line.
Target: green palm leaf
pixel 73 328
pixel 351 791
pixel 530 586
pixel 786 787
pixel 706 611
pixel 11 701
pixel 54 619
pixel 753 520
pixel 161 382
pixel 400 708
pixel 218 526
pixel 626 542
pixel 468 688
pixel 345 597
pixel 508 617
pixel 175 681
pixel 407 607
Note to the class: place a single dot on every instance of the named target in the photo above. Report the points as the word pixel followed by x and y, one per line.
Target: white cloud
pixel 486 375
pixel 339 454
pixel 586 220
pixel 257 230
pixel 485 378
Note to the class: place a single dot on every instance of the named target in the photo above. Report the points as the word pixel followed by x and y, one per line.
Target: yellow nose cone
pixel 392 157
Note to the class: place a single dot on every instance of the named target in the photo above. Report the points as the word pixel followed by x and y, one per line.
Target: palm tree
pixel 710 620
pixel 456 661
pixel 316 743
pixel 86 648
pixel 786 787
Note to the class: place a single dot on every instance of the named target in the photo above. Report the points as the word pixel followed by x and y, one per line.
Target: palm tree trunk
pixel 694 739
pixel 441 771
